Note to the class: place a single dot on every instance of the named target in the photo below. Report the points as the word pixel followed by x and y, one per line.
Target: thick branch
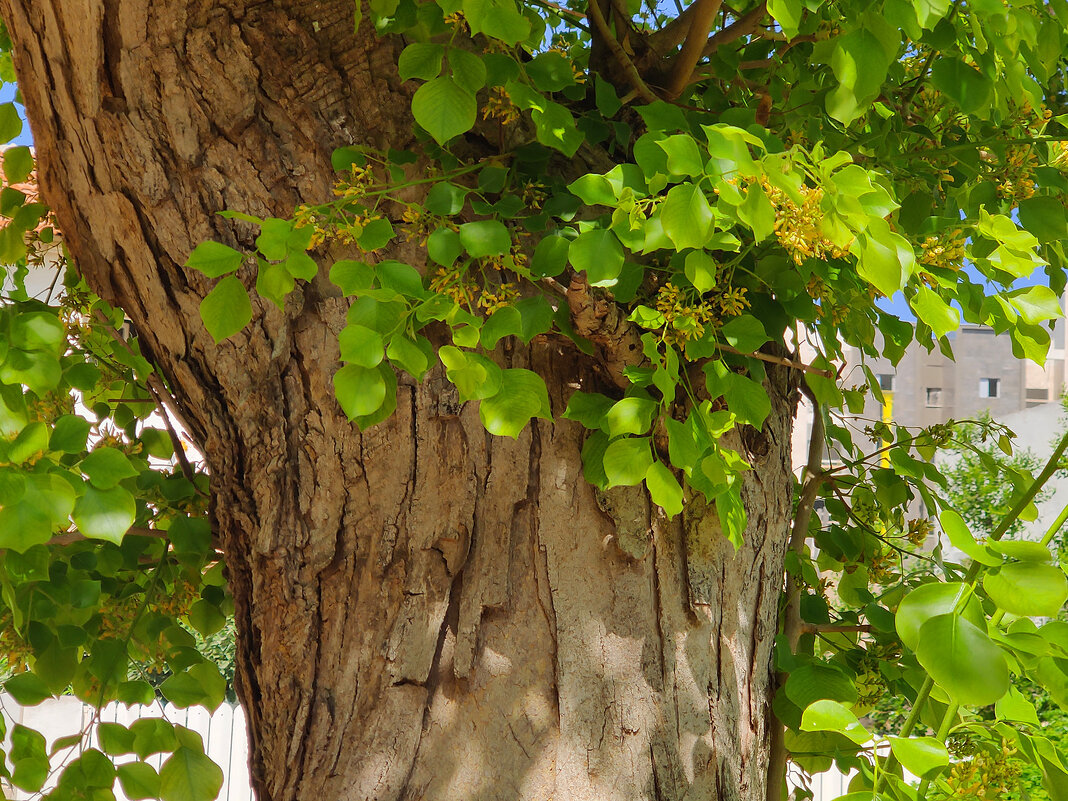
pixel 634 78
pixel 704 18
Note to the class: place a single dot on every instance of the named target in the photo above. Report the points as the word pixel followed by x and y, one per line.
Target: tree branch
pixel 743 26
pixel 634 78
pixel 704 17
pixel 780 360
pixel 68 537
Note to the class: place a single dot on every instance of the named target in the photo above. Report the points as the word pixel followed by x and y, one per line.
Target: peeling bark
pixel 424 611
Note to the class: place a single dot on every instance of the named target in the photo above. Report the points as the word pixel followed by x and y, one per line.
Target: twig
pixel 780 360
pixel 834 628
pixel 68 537
pixel 633 76
pixel 158 391
pixel 704 17
pixel 176 442
pixel 743 26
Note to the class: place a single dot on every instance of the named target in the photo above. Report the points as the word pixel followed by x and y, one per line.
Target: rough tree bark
pixel 424 611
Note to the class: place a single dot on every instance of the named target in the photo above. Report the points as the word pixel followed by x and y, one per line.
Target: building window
pixel 886 382
pixel 934 397
pixel 989 387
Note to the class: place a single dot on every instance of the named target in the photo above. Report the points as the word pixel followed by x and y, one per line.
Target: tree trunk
pixel 424 611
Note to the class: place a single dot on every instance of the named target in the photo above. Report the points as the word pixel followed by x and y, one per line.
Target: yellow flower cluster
pixel 1015 176
pixel 919 530
pixel 798 227
pixel 984 775
pixel 686 320
pixel 870 684
pixel 459 284
pixel 944 250
pixel 499 106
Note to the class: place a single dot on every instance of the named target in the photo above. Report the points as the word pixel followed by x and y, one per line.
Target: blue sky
pixel 7 94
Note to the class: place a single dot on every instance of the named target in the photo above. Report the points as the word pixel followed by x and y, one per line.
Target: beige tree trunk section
pixel 424 611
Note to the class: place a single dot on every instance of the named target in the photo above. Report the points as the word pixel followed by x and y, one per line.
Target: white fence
pixel 225 741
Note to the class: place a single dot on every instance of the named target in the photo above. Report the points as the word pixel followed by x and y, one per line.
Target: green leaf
pixel 555 127
pixel 468 69
pixel 860 63
pixel 201 684
pixel 686 216
pixel 788 14
pixel 18 164
pixel 757 212
pixel 206 618
pixel 1044 217
pixel 551 71
pixel 274 282
pixel 444 108
pixel 410 355
pixel 445 199
pixel 115 739
pixel 361 345
pixel 928 601
pixel 522 396
pixel 683 156
pixel 1027 588
pixel 105 514
pixel 214 259
pixel 376 234
pixel 920 755
pixel 361 391
pixel 700 270
pixel 1023 550
pixel 962 660
pixel 961 538
pixel 1035 304
pixel 475 376
pixel 27 689
pixel 827 715
pixel 588 408
pixel 627 461
pixel 629 416
pixel 10 123
pixel 226 309
pixel 664 488
pixel 499 19
pixel 420 60
pixel 139 781
pixel 745 333
pixel 961 83
pixel 444 246
pixel 884 259
pixel 189 775
pixel 485 238
pixel 352 277
pixel 599 254
pixel 550 256
pixel 939 315
pixel 105 467
pixel 153 736
pixel 1014 706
